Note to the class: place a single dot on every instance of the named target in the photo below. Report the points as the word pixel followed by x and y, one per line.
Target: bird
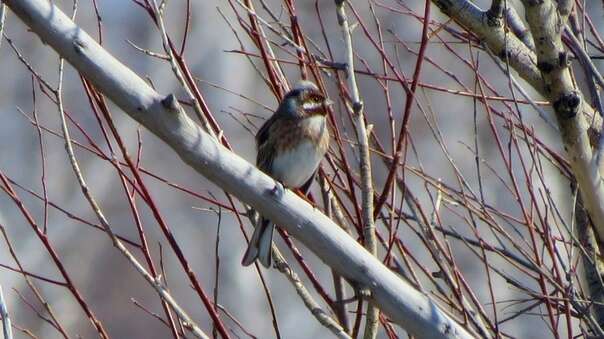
pixel 290 146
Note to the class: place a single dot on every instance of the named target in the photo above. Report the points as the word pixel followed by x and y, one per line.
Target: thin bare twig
pixel 373 313
pixel 155 282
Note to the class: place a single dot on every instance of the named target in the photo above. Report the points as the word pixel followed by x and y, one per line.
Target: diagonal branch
pixel 163 116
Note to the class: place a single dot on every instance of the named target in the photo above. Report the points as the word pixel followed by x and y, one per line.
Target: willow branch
pixel 373 313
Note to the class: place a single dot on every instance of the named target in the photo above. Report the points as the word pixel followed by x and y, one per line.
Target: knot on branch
pixel 171 103
pixel 549 66
pixel 567 106
pixel 494 16
pixel 79 46
pixel 282 267
pixel 546 66
pixel 564 8
pixel 357 107
pixel 438 274
pixel 494 21
pixel 505 54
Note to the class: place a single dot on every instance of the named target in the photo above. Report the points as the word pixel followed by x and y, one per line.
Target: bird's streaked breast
pixel 294 165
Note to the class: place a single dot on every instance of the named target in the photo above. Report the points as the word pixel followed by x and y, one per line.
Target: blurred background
pixel 240 100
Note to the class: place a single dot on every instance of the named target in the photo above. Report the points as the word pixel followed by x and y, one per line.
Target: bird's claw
pixel 364 293
pixel 278 190
pixel 360 291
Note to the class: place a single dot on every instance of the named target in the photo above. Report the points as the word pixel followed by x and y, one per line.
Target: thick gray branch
pixel 163 116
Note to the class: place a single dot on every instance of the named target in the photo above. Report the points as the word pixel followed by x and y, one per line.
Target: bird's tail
pixel 261 244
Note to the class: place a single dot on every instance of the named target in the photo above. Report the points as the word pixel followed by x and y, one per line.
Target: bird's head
pixel 304 100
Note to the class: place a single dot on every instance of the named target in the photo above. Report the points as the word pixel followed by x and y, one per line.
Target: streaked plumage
pixel 290 146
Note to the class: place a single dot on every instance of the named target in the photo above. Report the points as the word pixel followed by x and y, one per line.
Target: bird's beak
pixel 329 102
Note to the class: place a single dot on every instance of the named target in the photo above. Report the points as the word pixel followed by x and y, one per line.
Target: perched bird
pixel 290 147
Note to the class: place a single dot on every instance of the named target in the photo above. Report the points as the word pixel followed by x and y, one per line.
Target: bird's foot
pixel 278 190
pixel 363 293
pixel 360 291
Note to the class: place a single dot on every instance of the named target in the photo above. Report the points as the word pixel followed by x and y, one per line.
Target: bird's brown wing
pixel 323 145
pixel 265 146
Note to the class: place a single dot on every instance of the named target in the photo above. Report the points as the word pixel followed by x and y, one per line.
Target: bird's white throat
pixel 315 123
